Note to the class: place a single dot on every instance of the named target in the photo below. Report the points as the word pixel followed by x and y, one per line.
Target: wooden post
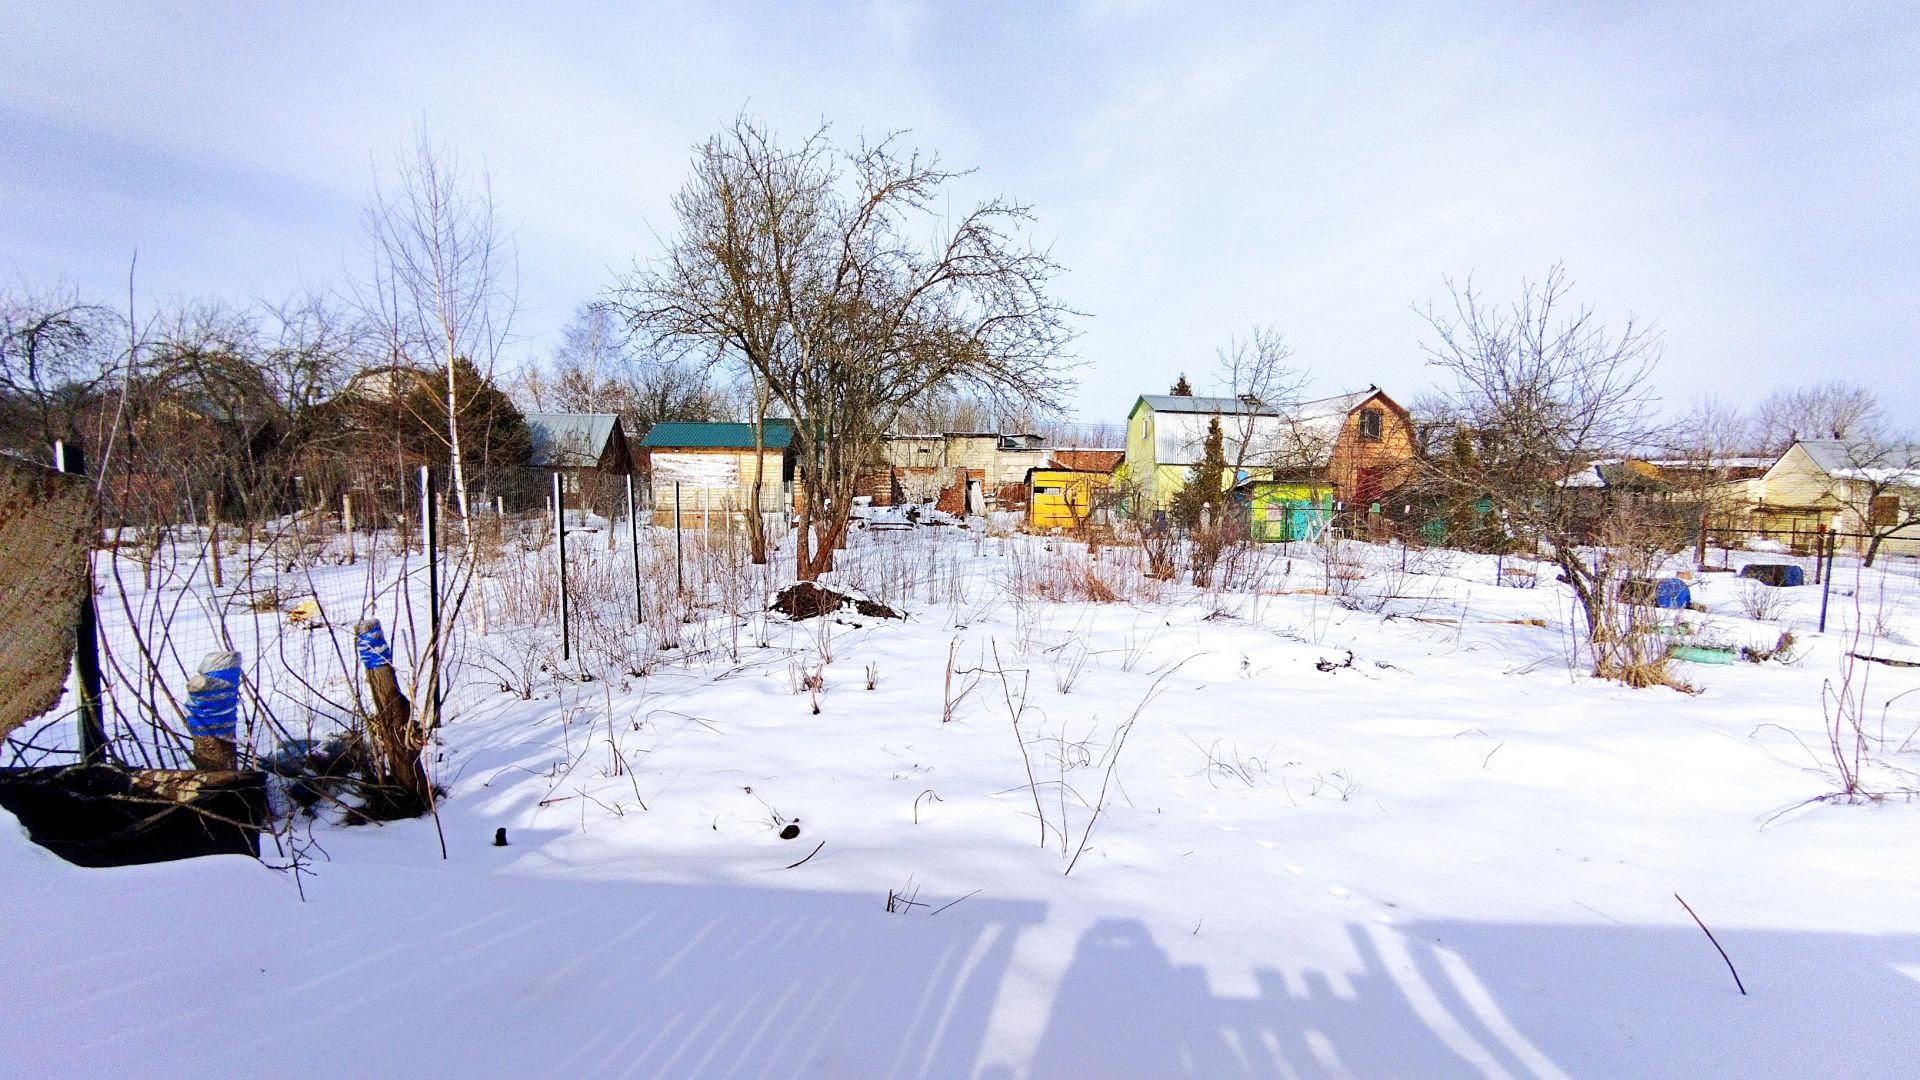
pixel 397 740
pixel 213 539
pixel 679 557
pixel 86 635
pixel 346 522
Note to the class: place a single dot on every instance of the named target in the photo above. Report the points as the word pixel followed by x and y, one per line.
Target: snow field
pixel 1455 855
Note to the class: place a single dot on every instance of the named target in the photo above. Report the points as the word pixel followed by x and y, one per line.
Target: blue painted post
pixel 213 707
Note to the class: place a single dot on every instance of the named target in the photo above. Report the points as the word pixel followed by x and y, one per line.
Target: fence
pixel 283 579
pixel 1870 595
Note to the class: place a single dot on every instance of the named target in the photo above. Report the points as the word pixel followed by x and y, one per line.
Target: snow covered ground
pixel 1306 838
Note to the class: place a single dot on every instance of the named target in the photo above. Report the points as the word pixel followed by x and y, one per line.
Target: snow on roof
pixel 1843 460
pixel 569 440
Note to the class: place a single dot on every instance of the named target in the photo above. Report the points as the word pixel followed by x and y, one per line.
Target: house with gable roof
pixel 1343 452
pixel 588 450
pixel 1817 486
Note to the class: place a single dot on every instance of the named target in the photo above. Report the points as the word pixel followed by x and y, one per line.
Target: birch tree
pixel 442 286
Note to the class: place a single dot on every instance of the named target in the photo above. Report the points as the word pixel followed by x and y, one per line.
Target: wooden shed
pixel 715 467
pixel 1065 498
pixel 588 450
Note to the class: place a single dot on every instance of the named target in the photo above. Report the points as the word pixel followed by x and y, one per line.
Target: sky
pixel 1743 176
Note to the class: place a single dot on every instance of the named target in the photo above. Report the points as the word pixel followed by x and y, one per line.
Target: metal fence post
pixel 633 542
pixel 679 560
pixel 560 538
pixel 430 545
pixel 1826 587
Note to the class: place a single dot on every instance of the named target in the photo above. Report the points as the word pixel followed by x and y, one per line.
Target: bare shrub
pixel 1069 660
pixel 1231 764
pixel 1761 602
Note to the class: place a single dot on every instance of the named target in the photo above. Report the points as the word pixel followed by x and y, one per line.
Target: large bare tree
pixel 1540 389
pixel 56 351
pixel 838 279
pixel 1830 410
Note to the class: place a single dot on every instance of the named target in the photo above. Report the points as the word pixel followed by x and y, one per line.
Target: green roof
pixel 682 435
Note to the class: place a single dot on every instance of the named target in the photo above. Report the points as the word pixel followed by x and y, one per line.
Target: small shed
pixel 1065 498
pixel 588 450
pixel 1283 511
pixel 715 467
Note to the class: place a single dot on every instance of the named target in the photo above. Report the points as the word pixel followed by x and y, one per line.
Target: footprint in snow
pixel 1266 843
pixel 1340 891
pixel 1294 869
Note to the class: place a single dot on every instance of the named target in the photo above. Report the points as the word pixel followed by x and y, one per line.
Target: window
pixel 1372 422
pixel 1885 511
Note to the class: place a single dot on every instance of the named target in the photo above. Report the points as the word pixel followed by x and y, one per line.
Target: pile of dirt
pixel 807 600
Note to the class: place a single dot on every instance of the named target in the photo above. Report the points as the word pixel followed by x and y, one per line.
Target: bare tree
pixel 1830 410
pixel 1542 388
pixel 591 370
pixel 1257 371
pixel 56 351
pixel 442 287
pixel 1707 439
pixel 1712 430
pixel 807 266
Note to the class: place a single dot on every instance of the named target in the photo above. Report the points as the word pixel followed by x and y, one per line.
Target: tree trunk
pixel 756 525
pixel 395 741
pixel 803 540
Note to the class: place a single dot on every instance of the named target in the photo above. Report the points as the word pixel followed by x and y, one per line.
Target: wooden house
pixel 1830 485
pixel 960 472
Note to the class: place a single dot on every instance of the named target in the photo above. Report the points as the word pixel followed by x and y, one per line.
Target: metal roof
pixel 1864 461
pixel 569 440
pixel 777 434
pixel 1170 403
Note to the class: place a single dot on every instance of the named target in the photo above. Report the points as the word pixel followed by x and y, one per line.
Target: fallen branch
pixel 1716 944
pixel 950 903
pixel 810 854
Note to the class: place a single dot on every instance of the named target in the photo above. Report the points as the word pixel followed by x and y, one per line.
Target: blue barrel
pixel 1671 593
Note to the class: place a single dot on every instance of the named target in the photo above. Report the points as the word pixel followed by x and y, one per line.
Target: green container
pixel 1701 654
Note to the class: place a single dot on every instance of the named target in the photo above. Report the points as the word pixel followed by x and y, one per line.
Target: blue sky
pixel 1745 175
